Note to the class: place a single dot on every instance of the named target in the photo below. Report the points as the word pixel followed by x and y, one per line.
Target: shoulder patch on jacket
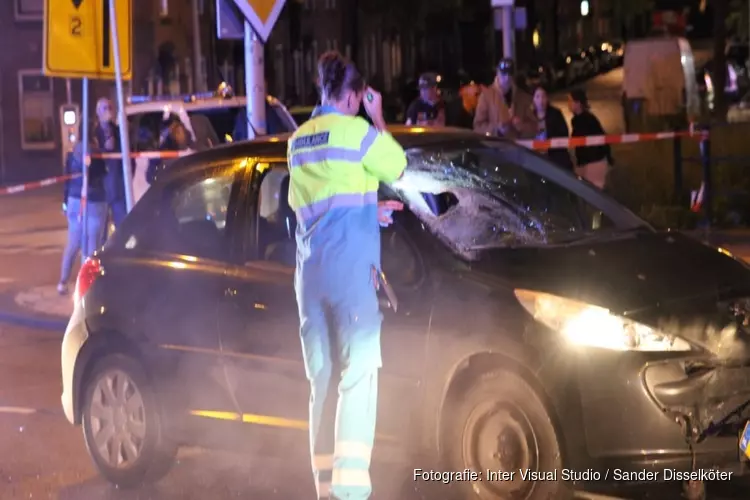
pixel 310 141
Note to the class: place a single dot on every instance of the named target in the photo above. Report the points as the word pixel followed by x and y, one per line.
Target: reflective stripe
pixel 326 154
pixel 351 477
pixel 348 200
pixel 324 490
pixel 368 140
pixel 353 449
pixel 334 153
pixel 322 462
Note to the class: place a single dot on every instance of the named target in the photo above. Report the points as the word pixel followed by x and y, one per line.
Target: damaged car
pixel 531 324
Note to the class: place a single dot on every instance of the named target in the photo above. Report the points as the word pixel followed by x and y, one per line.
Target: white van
pixel 659 80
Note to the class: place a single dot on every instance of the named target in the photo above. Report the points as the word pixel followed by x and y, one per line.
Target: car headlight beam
pixel 589 325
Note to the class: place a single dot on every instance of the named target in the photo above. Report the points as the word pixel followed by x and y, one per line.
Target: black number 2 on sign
pixel 75 26
pixel 106 34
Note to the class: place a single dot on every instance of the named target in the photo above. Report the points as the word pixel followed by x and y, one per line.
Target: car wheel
pixel 501 424
pixel 122 424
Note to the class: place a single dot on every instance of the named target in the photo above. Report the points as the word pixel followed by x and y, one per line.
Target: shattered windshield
pixel 477 198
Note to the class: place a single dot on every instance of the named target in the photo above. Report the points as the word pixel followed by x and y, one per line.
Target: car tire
pixel 503 409
pixel 120 403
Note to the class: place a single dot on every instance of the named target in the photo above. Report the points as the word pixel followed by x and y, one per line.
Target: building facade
pixel 30 124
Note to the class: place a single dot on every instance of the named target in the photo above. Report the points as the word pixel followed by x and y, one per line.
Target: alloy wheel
pixel 118 419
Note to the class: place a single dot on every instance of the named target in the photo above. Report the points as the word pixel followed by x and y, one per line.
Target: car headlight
pixel 594 326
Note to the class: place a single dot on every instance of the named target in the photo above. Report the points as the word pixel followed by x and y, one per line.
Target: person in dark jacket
pixel 96 213
pixel 551 124
pixel 592 162
pixel 174 137
pixel 107 140
pixel 460 111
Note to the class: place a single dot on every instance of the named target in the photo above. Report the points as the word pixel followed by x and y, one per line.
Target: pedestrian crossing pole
pixel 505 9
pixel 255 83
pixel 127 174
pixel 83 215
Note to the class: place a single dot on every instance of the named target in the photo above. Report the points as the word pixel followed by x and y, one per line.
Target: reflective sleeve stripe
pixel 351 477
pixel 368 140
pixel 345 200
pixel 324 490
pixel 386 159
pixel 322 462
pixel 353 449
pixel 334 153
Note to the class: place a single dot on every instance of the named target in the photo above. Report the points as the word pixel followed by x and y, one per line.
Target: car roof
pixel 275 146
pixel 176 103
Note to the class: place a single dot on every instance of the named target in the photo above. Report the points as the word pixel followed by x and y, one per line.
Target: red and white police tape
pixel 50 181
pixel 539 145
pixel 600 140
pixel 19 188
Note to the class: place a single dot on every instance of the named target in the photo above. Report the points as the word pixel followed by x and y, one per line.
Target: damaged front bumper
pixel 705 398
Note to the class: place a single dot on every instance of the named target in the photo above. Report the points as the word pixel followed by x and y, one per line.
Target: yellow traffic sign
pixel 78 39
pixel 262 14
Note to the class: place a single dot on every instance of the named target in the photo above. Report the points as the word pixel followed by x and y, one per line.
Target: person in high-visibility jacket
pixel 336 161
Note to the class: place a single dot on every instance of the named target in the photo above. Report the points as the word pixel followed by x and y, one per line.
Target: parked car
pixel 301 114
pixel 618 52
pixel 538 73
pixel 580 66
pixel 535 322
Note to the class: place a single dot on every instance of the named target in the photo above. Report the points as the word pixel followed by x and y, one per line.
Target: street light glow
pixel 584 8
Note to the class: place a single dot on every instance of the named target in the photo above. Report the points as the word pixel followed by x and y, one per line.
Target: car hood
pixel 626 274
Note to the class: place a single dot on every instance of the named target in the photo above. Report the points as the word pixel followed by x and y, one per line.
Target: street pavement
pixel 45 457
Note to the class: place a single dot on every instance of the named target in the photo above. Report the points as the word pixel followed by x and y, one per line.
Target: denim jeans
pixel 96 222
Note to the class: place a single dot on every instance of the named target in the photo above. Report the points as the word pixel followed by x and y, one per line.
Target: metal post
pixel 508 32
pixel 84 138
pixel 255 83
pixel 677 169
pixel 127 175
pixel 705 148
pixel 197 52
pixel 68 91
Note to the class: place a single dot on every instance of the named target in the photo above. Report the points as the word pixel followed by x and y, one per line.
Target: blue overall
pixel 338 246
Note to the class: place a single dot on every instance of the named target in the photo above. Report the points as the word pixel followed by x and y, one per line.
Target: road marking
pixel 249 418
pixel 4 280
pixel 17 410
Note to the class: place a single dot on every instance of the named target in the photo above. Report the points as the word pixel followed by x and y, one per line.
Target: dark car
pixel 535 323
pixel 538 73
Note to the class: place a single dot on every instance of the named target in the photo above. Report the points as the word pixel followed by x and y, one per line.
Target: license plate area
pixel 745 442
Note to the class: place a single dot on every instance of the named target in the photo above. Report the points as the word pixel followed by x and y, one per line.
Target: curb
pixel 35 322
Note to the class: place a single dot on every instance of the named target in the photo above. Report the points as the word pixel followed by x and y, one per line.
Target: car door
pixel 260 325
pixel 175 249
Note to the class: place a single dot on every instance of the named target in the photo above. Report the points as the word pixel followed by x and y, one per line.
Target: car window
pixel 276 221
pixel 199 210
pixel 231 123
pixel 145 130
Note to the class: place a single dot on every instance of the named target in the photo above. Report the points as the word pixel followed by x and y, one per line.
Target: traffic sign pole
pixel 127 174
pixel 84 138
pixel 255 83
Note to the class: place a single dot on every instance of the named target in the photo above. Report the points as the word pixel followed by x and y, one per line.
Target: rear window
pixel 232 121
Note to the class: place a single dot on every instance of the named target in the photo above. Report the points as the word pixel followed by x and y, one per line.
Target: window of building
pixel 37 110
pixel 28 10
